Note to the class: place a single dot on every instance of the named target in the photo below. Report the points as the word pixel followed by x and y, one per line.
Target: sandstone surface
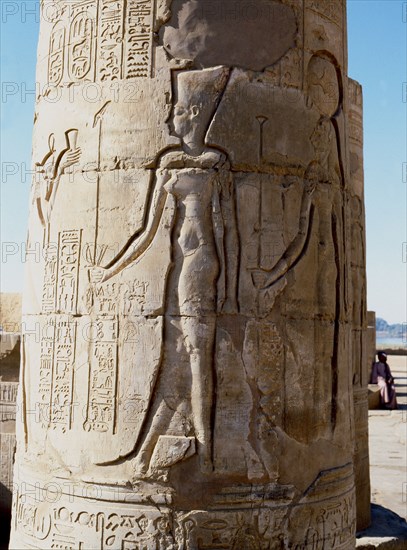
pixel 195 333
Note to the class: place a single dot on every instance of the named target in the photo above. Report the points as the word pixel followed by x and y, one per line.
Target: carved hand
pixel 263 279
pixel 70 157
pixel 97 274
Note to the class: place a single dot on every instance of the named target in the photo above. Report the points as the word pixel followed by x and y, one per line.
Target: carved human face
pixel 183 119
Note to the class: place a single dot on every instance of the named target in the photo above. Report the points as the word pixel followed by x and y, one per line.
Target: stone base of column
pixel 65 514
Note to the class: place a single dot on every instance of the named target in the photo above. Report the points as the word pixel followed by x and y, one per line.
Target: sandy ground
pixel 388 470
pixel 387 446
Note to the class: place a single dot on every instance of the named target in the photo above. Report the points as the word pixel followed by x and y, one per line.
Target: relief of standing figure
pixel 202 279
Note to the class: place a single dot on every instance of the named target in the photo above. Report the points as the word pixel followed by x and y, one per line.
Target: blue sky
pixel 377 35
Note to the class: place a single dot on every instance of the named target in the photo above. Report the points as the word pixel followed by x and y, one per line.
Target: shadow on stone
pixel 387 530
pixel 5 514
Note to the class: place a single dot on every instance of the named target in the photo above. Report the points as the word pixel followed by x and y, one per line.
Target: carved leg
pixel 199 335
pixel 161 418
pixel 201 404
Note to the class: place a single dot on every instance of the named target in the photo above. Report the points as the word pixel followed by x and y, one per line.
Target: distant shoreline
pixel 392 346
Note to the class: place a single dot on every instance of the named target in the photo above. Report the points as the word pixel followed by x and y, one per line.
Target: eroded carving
pixel 202 288
pixel 102 393
pixel 48 175
pixel 81 51
pixel 196 179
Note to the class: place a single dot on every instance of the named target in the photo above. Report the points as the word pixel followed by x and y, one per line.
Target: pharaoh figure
pixel 48 174
pixel 196 180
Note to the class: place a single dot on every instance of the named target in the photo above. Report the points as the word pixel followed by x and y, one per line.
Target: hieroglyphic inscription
pixel 68 270
pixel 111 36
pixel 101 410
pixel 127 531
pixel 7 448
pixel 102 40
pixel 140 35
pixel 31 519
pixel 8 396
pixel 264 363
pixel 50 279
pixel 56 60
pixel 270 372
pixel 63 370
pixel 46 368
pixel 57 357
pixel 81 56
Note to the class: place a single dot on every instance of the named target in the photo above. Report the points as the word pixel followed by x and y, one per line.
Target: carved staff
pixel 98 120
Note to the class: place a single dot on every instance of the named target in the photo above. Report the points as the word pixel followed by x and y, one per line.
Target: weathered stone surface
pixel 10 312
pixel 360 334
pixel 191 331
pixel 10 340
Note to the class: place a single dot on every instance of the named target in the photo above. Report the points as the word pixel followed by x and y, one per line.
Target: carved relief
pixel 48 173
pixel 46 371
pixel 114 37
pixel 69 248
pixel 322 85
pixel 102 393
pixel 50 279
pixel 56 62
pixel 110 40
pixel 263 357
pixel 81 50
pixel 7 450
pixel 139 43
pixel 63 373
pixel 8 395
pixel 56 374
pixel 201 195
pixel 330 9
pixel 199 320
pixel 242 516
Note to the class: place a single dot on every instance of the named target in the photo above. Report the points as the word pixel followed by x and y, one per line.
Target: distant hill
pixel 384 329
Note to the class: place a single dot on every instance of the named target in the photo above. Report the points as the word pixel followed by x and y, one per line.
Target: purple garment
pixel 380 369
pixel 381 375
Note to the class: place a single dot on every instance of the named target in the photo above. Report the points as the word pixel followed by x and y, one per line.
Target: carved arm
pixel 263 278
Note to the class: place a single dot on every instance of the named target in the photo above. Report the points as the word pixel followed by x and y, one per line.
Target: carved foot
pixel 139 466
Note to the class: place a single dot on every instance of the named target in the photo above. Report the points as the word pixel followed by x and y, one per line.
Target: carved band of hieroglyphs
pixel 7 448
pixel 46 368
pixel 63 369
pixel 101 410
pixel 57 358
pixel 60 287
pixel 50 280
pixel 102 40
pixel 69 246
pixel 82 46
pixel 8 396
pixel 56 59
pixel 68 524
pixel 139 42
pixel 110 36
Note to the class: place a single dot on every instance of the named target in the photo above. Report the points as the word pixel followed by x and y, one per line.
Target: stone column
pixel 10 340
pixel 371 342
pixel 359 311
pixel 186 376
